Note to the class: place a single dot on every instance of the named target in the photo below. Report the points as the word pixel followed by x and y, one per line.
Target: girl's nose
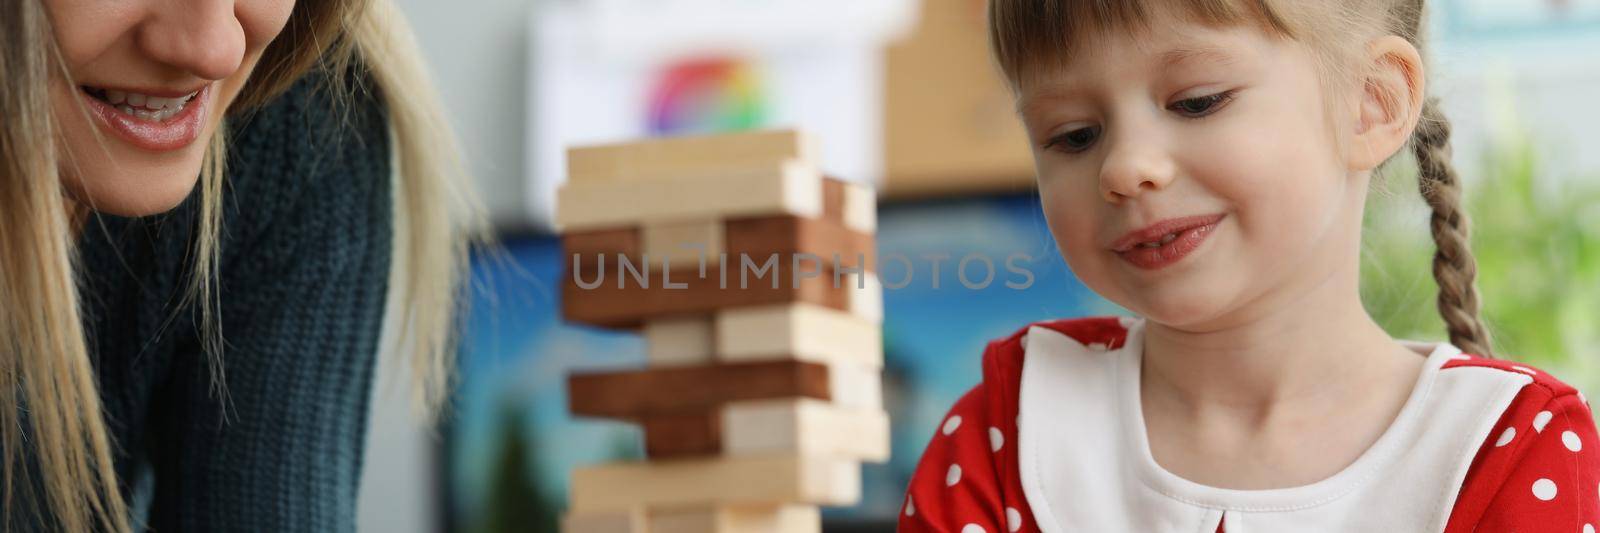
pixel 1134 164
pixel 202 37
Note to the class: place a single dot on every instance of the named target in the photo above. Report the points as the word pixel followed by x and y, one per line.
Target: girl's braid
pixel 1454 268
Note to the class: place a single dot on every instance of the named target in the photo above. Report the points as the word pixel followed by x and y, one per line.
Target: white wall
pixel 477 53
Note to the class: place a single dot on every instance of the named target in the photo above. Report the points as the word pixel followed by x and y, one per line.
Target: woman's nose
pixel 1134 163
pixel 202 37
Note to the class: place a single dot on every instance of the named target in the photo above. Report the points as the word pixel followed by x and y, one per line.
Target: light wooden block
pixel 745 519
pixel 686 156
pixel 855 386
pixel 805 427
pixel 860 208
pixel 624 521
pixel 787 187
pixel 750 480
pixel 684 244
pixel 863 295
pixel 798 331
pixel 681 340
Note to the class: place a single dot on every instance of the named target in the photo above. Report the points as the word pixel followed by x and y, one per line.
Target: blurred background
pixel 903 97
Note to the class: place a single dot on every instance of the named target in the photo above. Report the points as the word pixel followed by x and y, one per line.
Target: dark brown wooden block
pixel 691 390
pixel 619 301
pixel 589 244
pixel 756 237
pixel 833 199
pixel 683 435
pixel 788 236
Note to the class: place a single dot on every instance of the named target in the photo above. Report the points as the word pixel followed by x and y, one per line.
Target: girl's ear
pixel 1389 101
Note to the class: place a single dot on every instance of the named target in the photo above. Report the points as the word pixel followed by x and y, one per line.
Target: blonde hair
pixel 51 409
pixel 1030 37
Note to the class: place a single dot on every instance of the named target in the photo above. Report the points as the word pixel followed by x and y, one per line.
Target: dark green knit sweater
pixel 304 267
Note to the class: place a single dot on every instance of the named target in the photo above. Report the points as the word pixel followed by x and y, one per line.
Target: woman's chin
pixel 135 194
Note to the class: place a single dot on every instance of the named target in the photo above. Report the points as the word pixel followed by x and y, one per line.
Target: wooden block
pixel 683 244
pixel 855 386
pixel 701 430
pixel 632 303
pixel 805 427
pixel 860 211
pixel 754 237
pixel 686 156
pixel 759 237
pixel 681 340
pixel 864 294
pixel 806 332
pixel 639 394
pixel 590 244
pixel 683 435
pixel 621 521
pixel 773 188
pixel 742 519
pixel 768 479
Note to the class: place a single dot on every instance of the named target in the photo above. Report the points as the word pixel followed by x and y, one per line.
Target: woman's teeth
pixel 147 107
pixel 1164 240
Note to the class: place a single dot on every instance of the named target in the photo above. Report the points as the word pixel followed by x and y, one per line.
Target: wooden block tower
pixel 748 274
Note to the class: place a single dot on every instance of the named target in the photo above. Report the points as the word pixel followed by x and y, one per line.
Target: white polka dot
pixel 974 528
pixel 1127 321
pixel 1461 357
pixel 1525 370
pixel 1505 437
pixel 1013 519
pixel 911 506
pixel 1571 440
pixel 950 424
pixel 1539 420
pixel 1544 489
pixel 1588 528
pixel 1582 399
pixel 996 439
pixel 1098 346
pixel 952 476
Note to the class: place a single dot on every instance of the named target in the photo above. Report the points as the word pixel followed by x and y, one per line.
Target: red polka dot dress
pixel 1053 440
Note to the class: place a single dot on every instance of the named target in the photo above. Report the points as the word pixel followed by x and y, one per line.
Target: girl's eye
pixel 1074 141
pixel 1201 106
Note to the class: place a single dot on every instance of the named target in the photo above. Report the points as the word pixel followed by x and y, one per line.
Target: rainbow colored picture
pixel 706 96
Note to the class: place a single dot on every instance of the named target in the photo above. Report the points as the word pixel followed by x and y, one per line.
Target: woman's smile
pixel 157 120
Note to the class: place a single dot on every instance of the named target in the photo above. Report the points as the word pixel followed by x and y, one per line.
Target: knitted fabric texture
pixel 304 264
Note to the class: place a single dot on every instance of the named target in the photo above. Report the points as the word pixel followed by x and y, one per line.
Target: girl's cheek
pixel 1073 219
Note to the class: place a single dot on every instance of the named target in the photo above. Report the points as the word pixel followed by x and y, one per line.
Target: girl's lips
pixel 1172 252
pixel 177 132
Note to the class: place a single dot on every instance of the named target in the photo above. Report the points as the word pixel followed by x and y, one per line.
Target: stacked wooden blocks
pixel 747 273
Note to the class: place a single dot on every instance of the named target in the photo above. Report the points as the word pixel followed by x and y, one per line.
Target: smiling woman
pixel 113 261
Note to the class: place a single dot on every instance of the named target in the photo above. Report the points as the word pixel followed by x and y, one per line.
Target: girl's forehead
pixel 1146 54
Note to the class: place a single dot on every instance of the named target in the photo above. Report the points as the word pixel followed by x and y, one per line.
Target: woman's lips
pixel 176 132
pixel 1168 253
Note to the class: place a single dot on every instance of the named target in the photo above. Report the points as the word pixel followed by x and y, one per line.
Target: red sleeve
pixel 956 487
pixel 968 480
pixel 1538 471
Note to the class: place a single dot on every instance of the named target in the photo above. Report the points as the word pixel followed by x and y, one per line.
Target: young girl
pixel 1205 164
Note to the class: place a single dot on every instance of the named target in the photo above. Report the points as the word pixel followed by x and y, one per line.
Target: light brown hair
pixel 1031 37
